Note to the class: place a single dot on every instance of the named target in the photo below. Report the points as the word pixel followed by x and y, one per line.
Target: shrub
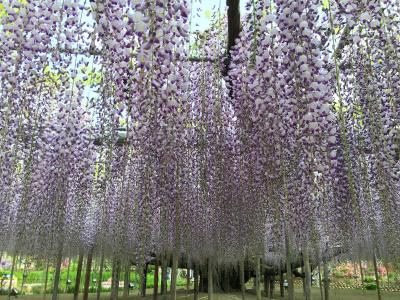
pixel 370 286
pixel 392 276
pixel 35 276
pixel 369 279
pixel 37 290
pixel 181 281
pixel 338 274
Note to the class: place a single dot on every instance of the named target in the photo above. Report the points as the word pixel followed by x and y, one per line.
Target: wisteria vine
pixel 115 139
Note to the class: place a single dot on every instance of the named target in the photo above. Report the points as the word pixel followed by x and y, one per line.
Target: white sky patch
pixel 202 11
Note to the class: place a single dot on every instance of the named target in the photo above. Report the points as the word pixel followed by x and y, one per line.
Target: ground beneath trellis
pixel 183 295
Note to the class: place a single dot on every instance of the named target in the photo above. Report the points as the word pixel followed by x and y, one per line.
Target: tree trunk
pixel 361 274
pixel 188 276
pixel 303 278
pixel 126 280
pixel 46 278
pixel 233 30
pixel 266 285
pixel 112 296
pixel 210 291
pixel 378 285
pixel 57 274
pixel 143 285
pixel 320 281
pixel 387 273
pixel 23 277
pixel 196 283
pixel 242 283
pixel 228 280
pixel 258 276
pixel 174 275
pixel 115 279
pixel 307 271
pixel 202 281
pixel 68 270
pixel 87 275
pixel 78 276
pixel 100 278
pixel 326 279
pixel 272 287
pixel 155 289
pixel 281 287
pixel 289 269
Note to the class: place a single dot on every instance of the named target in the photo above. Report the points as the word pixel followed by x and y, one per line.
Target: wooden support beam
pixel 95 52
pixel 233 29
pixel 233 22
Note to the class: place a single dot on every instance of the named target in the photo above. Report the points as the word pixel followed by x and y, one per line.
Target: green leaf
pixel 208 14
pixel 2 11
pixel 336 29
pixel 51 76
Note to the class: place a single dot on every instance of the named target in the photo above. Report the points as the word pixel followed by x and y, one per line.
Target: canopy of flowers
pixel 121 135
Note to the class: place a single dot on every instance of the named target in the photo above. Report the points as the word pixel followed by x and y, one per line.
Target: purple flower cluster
pixel 113 139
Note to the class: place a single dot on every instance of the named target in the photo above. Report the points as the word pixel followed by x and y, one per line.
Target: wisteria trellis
pixel 297 145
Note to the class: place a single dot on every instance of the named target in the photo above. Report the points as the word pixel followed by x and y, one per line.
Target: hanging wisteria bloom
pixel 127 135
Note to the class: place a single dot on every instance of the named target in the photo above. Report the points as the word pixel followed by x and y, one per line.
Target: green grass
pixel 352 294
pixel 38 277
